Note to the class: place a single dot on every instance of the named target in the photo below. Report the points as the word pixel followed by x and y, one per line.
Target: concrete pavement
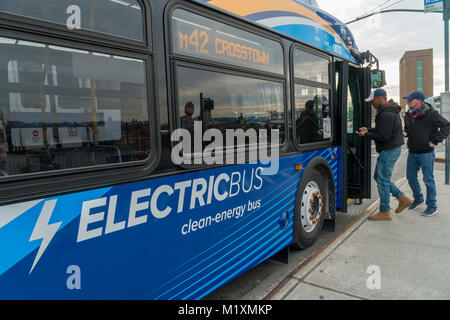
pixel 407 258
pixel 259 282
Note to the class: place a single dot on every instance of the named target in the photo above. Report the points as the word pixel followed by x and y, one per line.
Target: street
pixel 257 283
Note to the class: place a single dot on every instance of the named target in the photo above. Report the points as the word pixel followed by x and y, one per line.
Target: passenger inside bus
pixel 308 124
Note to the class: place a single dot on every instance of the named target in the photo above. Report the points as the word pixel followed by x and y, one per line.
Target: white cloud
pixel 391 34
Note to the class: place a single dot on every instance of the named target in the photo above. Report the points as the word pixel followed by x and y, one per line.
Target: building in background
pixel 416 73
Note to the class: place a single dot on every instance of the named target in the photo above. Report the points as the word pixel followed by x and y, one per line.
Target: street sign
pixel 434 5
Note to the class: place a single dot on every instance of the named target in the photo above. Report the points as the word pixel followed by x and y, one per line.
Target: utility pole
pixel 446 16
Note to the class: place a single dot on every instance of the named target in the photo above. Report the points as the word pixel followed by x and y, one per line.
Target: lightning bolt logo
pixel 43 230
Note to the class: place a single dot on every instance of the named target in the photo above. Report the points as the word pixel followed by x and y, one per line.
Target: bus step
pixel 329 225
pixel 281 256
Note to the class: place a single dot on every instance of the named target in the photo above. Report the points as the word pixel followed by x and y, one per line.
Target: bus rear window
pixel 121 18
pixel 63 108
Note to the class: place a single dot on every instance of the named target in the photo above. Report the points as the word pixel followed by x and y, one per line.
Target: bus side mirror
pixel 378 78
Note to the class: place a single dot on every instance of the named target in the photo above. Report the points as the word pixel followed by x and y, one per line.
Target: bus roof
pixel 297 19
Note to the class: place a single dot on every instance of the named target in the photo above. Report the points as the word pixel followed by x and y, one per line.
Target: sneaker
pixel 415 204
pixel 430 212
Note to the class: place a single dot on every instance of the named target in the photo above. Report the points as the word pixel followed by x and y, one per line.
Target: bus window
pixel 114 17
pixel 223 101
pixel 64 108
pixel 312 114
pixel 313 118
pixel 311 67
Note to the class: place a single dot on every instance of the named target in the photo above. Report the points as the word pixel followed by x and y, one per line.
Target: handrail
pixel 354 156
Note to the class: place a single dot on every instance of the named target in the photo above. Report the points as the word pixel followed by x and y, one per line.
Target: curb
pixel 304 269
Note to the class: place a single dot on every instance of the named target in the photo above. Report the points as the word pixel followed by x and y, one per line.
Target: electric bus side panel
pixel 177 237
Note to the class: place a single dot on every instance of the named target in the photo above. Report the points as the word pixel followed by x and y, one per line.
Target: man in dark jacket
pixel 308 124
pixel 388 137
pixel 425 129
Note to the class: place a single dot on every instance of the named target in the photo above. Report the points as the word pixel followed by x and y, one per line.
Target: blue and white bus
pixel 92 205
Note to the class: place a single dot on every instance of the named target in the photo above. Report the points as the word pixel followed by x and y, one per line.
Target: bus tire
pixel 309 209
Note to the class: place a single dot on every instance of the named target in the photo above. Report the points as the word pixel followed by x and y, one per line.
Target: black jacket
pixel 427 127
pixel 308 127
pixel 388 131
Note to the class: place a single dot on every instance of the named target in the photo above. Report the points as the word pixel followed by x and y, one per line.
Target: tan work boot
pixel 381 216
pixel 403 203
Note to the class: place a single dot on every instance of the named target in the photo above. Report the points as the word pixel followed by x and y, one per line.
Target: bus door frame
pixel 362 190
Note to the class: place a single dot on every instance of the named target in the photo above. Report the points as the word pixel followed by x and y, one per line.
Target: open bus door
pixel 353 86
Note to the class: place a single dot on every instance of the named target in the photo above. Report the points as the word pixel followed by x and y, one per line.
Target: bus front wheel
pixel 309 209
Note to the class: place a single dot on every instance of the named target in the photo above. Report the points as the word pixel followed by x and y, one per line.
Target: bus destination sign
pixel 201 37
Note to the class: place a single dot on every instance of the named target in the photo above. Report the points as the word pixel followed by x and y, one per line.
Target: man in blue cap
pixel 388 137
pixel 425 129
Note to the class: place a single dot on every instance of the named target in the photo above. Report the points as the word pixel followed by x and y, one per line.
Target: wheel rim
pixel 312 204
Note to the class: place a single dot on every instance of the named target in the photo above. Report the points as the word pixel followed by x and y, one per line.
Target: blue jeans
pixel 383 173
pixel 424 161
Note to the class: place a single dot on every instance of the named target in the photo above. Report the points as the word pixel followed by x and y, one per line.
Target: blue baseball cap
pixel 415 95
pixel 376 93
pixel 323 100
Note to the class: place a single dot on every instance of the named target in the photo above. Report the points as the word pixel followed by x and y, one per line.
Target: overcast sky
pixel 389 35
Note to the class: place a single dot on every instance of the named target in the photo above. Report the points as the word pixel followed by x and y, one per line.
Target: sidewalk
pixel 411 253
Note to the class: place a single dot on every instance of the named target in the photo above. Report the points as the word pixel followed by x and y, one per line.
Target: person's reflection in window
pixel 187 121
pixel 308 124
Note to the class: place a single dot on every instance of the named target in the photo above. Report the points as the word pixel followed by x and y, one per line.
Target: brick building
pixel 416 73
